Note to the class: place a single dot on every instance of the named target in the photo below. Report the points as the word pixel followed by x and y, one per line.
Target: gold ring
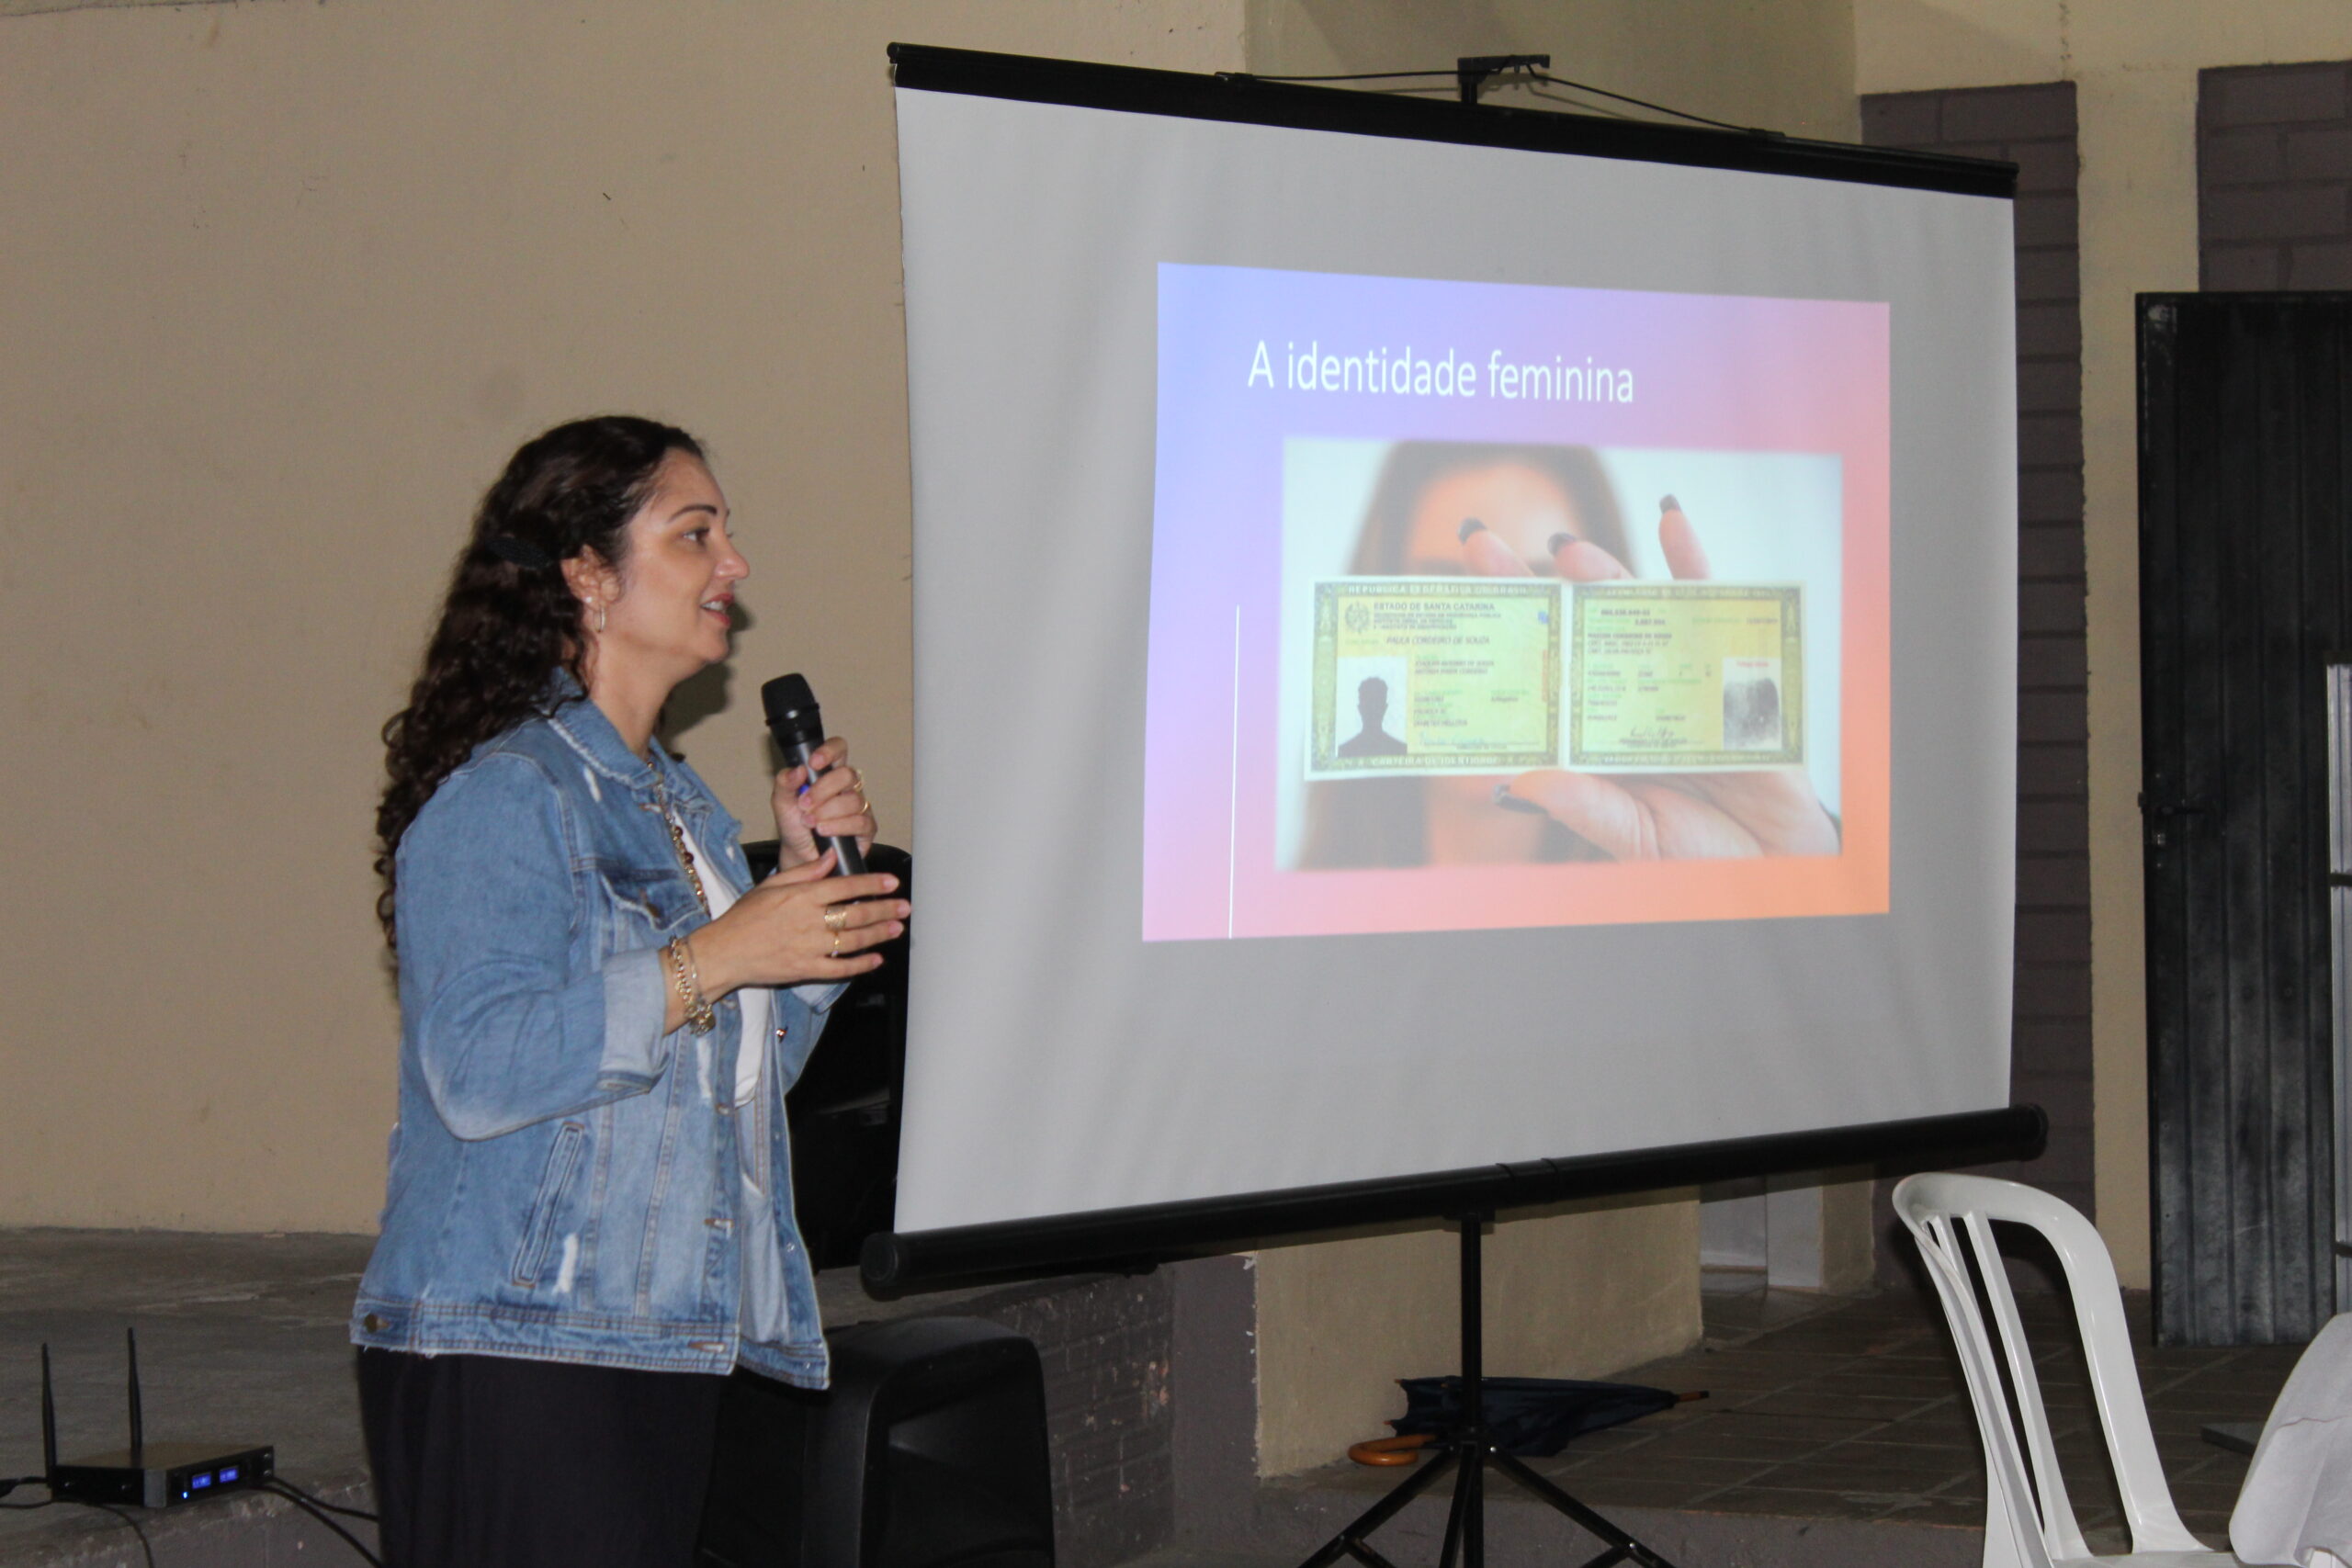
pixel 836 917
pixel 836 953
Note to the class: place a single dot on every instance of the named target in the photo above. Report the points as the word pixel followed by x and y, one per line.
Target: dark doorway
pixel 2246 593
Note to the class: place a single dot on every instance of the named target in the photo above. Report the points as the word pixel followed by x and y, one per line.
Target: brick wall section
pixel 1106 1346
pixel 2033 127
pixel 2274 177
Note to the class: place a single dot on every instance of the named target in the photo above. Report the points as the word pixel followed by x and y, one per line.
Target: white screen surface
pixel 1163 952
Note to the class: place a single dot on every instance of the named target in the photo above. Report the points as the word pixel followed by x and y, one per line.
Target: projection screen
pixel 1430 655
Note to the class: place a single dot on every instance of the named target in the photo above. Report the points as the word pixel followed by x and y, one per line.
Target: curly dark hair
pixel 510 620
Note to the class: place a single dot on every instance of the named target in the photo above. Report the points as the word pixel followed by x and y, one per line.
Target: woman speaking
pixel 589 1221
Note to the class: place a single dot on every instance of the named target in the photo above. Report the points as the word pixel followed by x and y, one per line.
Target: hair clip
pixel 522 553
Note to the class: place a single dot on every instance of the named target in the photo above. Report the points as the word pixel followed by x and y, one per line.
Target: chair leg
pixel 2001 1535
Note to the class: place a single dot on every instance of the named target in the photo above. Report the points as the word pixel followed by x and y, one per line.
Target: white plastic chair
pixel 1939 1209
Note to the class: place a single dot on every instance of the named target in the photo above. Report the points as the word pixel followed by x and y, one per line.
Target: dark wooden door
pixel 2245 590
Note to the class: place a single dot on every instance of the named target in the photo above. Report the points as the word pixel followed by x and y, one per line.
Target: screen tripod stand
pixel 1468 1452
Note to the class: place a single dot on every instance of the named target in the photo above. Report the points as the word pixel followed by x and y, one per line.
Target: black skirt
pixel 482 1461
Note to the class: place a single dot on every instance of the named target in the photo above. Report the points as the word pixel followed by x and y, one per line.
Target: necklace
pixel 678 842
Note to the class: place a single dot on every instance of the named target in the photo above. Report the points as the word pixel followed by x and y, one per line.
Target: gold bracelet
pixel 699 1013
pixel 699 1009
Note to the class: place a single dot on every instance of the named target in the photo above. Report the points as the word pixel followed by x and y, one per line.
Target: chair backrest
pixel 2030 1523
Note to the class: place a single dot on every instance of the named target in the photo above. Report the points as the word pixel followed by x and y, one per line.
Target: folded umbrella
pixel 1529 1416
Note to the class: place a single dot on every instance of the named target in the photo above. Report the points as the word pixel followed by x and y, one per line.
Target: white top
pixel 2296 1506
pixel 762 1313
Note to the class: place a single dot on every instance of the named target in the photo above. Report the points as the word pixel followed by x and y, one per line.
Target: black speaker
pixel 928 1452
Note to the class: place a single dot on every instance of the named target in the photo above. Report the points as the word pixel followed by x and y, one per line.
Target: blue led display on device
pixel 227 1475
pixel 199 1482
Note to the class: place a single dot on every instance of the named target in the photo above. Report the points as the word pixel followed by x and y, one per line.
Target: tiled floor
pixel 1827 1413
pixel 1821 1409
pixel 1855 1410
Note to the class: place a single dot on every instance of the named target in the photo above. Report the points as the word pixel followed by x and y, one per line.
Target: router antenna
pixel 137 1423
pixel 47 1423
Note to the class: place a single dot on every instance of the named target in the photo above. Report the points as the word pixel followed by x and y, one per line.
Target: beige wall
pixel 1577 1292
pixel 284 284
pixel 2136 68
pixel 1788 66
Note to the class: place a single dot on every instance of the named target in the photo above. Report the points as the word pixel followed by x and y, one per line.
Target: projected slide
pixel 1479 605
pixel 1280 826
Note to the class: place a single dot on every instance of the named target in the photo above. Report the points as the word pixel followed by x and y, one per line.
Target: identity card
pixel 1424 676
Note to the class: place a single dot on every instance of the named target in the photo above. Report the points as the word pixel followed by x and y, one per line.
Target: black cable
pixel 144 1545
pixel 320 1513
pixel 1550 80
pixel 280 1482
pixel 1585 107
pixel 1348 76
pixel 1544 76
pixel 317 1507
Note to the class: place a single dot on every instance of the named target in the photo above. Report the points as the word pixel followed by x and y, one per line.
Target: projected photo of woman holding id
pixel 1658 722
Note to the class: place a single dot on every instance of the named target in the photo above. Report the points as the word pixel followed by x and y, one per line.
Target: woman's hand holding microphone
pixel 803 925
pixel 832 805
pixel 800 925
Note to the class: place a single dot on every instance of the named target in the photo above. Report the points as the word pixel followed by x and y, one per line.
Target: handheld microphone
pixel 800 729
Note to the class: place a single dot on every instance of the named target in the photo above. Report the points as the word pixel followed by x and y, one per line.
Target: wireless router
pixel 147 1475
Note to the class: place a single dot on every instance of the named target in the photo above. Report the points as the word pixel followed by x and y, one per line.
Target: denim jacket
pixel 564 1182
